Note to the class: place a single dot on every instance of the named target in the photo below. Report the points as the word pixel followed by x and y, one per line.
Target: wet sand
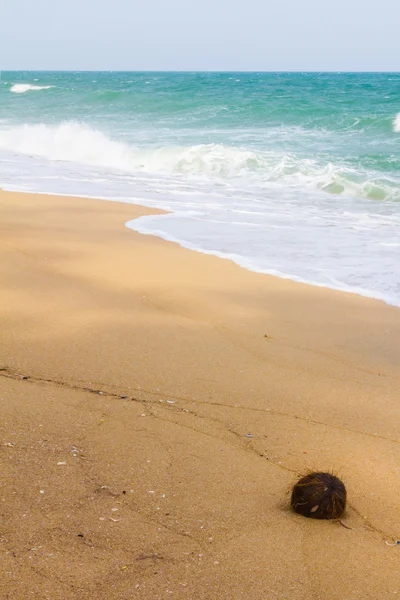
pixel 157 405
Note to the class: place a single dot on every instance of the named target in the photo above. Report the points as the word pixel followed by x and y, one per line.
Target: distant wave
pixel 79 143
pixel 21 88
pixel 396 123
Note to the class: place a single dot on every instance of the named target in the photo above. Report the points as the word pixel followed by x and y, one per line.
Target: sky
pixel 191 35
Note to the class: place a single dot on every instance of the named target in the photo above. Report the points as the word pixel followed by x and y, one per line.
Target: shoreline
pixel 239 261
pixel 159 403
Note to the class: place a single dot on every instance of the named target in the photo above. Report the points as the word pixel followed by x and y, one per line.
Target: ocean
pixel 292 174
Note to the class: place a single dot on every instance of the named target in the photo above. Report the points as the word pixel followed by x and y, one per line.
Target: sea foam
pixel 80 143
pixel 21 88
pixel 396 123
pixel 69 141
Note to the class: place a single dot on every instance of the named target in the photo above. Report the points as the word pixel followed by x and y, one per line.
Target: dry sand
pixel 156 406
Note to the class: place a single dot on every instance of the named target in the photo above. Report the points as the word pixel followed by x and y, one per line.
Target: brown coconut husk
pixel 319 496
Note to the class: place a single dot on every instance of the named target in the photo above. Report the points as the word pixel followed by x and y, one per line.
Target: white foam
pixel 396 123
pixel 150 225
pixel 69 141
pixel 79 143
pixel 21 88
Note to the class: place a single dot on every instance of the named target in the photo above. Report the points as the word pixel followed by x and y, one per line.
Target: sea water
pixel 292 174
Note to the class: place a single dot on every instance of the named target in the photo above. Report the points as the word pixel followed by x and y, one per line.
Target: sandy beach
pixel 157 406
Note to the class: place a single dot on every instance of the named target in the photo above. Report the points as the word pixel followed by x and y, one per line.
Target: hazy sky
pixel 200 34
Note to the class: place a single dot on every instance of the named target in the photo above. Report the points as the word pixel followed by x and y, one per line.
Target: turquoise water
pixel 294 174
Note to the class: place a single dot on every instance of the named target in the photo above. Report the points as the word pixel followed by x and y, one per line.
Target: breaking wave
pixel 396 123
pixel 79 143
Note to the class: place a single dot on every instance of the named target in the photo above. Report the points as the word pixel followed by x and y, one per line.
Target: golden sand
pixel 158 404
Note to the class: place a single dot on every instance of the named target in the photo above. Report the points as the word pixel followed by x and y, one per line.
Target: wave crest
pixel 79 143
pixel 21 88
pixel 396 123
pixel 68 141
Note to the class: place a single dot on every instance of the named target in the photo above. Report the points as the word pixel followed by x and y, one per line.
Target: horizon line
pixel 338 71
